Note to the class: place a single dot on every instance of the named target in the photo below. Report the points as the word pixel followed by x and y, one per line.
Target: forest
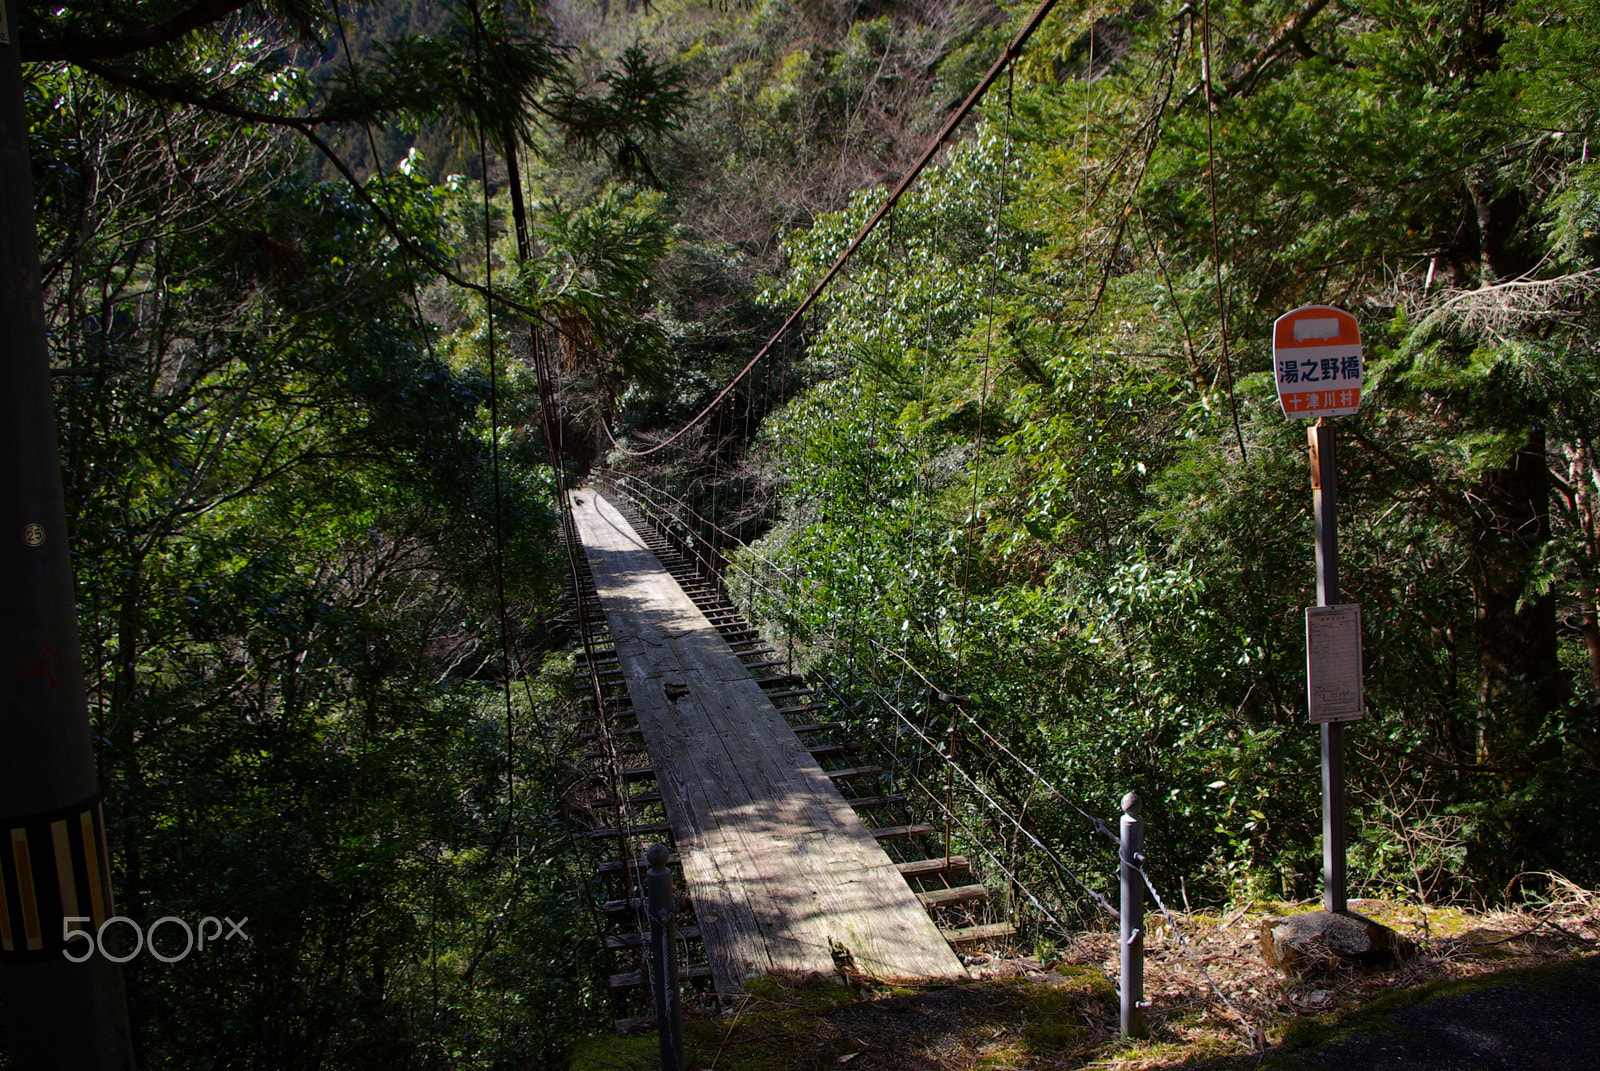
pixel 340 299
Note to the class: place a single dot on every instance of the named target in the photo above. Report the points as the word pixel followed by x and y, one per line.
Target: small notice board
pixel 1333 663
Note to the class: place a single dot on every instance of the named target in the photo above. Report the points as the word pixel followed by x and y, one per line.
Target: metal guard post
pixel 1131 943
pixel 661 906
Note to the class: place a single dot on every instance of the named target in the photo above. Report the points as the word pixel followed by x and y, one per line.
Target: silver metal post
pixel 1132 908
pixel 662 906
pixel 1324 496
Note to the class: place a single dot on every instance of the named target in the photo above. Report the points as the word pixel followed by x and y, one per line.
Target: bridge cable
pixel 972 782
pixel 551 426
pixel 439 370
pixel 498 558
pixel 1216 239
pixel 946 132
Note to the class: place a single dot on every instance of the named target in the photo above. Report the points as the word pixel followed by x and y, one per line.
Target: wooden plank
pixel 639 940
pixel 878 801
pixel 636 831
pixel 642 799
pixel 855 771
pixel 961 894
pixel 616 866
pixel 632 774
pixel 632 750
pixel 882 832
pixel 966 935
pixel 923 868
pixel 634 979
pixel 779 867
pixel 624 907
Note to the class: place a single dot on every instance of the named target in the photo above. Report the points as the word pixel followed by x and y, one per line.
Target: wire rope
pixel 1250 1029
pixel 1216 234
pixel 946 132
pixel 508 669
pixel 973 784
pixel 1099 824
pixel 1011 876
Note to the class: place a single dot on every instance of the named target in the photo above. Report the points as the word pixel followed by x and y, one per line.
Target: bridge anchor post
pixel 662 907
pixel 1132 921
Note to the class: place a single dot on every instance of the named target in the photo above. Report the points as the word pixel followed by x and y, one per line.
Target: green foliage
pixel 1020 472
pixel 284 503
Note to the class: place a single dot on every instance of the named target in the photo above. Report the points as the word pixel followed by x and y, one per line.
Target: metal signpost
pixel 1316 361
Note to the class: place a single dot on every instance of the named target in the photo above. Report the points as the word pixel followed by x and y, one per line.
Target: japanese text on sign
pixel 1316 362
pixel 1333 663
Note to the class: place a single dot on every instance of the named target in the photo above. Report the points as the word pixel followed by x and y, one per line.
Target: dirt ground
pixel 1215 1004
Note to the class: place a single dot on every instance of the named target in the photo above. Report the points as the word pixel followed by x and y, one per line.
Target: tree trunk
pixel 1519 675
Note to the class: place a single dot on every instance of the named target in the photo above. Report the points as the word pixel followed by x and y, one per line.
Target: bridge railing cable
pixel 661 507
pixel 1038 778
pixel 989 799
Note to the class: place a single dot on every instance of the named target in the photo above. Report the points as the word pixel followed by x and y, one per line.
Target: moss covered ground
pixel 1215 1005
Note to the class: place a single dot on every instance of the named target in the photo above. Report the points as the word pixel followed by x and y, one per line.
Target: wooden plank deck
pixel 780 868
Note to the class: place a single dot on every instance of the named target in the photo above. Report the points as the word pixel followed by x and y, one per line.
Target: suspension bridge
pixel 802 854
pixel 784 875
pixel 798 858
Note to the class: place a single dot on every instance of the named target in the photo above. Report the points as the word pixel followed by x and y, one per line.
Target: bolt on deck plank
pixel 780 868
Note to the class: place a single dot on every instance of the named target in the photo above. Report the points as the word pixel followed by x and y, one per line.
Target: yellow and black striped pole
pixel 59 1013
pixel 54 883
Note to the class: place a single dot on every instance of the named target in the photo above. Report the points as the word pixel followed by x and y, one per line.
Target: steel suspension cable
pixel 1216 233
pixel 1011 876
pixel 508 668
pixel 946 132
pixel 1099 824
pixel 993 803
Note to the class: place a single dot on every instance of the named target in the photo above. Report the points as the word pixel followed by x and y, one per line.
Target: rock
pixel 1319 941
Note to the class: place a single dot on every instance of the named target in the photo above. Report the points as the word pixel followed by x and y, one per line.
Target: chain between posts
pixel 1250 1030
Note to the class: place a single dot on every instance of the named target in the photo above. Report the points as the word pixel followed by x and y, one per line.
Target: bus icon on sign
pixel 1316 362
pixel 1321 329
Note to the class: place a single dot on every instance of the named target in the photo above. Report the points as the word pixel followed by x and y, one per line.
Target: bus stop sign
pixel 1316 360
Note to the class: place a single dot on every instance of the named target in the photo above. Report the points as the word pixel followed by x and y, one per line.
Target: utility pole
pixel 53 864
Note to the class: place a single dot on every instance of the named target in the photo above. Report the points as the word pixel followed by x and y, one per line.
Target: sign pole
pixel 1324 498
pixel 1318 368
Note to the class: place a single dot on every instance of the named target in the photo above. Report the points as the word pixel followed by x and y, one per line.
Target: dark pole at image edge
pixel 53 863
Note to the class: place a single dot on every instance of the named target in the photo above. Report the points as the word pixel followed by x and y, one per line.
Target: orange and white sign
pixel 1316 361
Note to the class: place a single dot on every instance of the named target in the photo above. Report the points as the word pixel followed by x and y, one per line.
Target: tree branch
pixel 305 127
pixel 77 49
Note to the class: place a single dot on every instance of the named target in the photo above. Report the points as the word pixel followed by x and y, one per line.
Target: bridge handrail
pixel 642 493
pixel 691 511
